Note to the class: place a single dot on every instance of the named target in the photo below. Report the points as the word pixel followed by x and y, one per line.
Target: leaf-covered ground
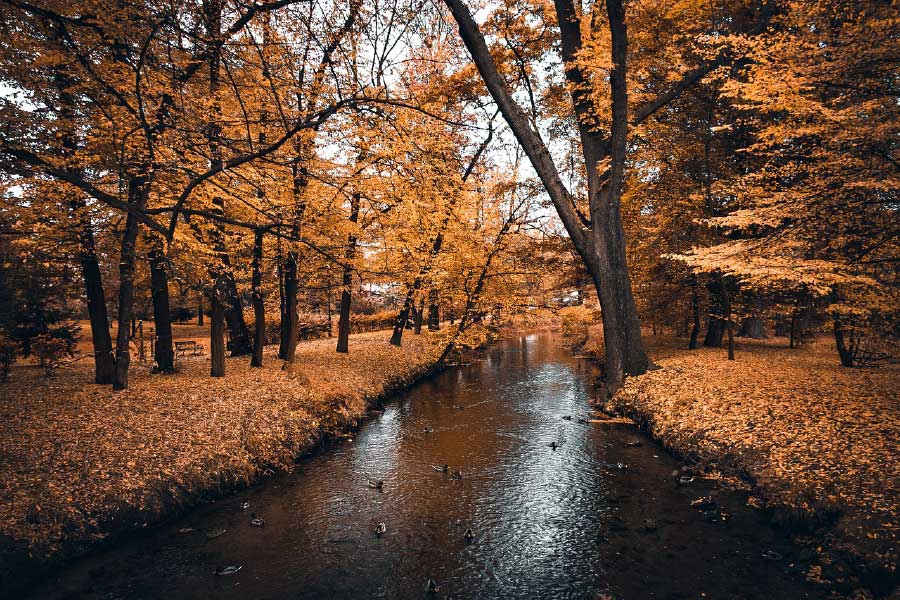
pixel 815 438
pixel 78 461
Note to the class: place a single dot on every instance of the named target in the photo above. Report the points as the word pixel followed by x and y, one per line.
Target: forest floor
pixel 79 462
pixel 818 443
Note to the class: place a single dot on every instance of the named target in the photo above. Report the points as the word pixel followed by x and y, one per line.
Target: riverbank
pixel 816 443
pixel 80 464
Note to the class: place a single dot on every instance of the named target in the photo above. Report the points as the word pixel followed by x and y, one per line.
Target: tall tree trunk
pixel 729 320
pixel 162 318
pixel 344 319
pixel 199 309
pixel 104 360
pixel 753 327
pixel 290 319
pixel 226 287
pixel 695 313
pixel 217 336
pixel 417 322
pixel 794 320
pixel 845 352
pixel 600 241
pixel 715 328
pixel 137 197
pixel 259 307
pixel 434 318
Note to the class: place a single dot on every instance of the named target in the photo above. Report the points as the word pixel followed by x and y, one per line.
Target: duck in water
pixel 456 475
pixel 554 445
pixel 431 587
pixel 469 535
pixel 376 484
pixel 229 570
pixel 256 521
pixel 380 529
pixel 441 468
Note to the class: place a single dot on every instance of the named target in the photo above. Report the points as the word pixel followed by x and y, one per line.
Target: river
pixel 597 515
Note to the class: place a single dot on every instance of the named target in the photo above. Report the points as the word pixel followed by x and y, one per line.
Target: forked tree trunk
pixel 343 340
pixel 162 318
pixel 845 351
pixel 259 307
pixel 601 241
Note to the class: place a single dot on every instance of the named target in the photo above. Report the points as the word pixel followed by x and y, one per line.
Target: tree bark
pixel 715 328
pixel 217 336
pixel 402 317
pixel 794 328
pixel 199 310
pixel 259 307
pixel 729 321
pixel 104 360
pixel 695 313
pixel 162 318
pixel 137 197
pixel 845 352
pixel 226 287
pixel 753 327
pixel 434 317
pixel 344 319
pixel 290 320
pixel 417 323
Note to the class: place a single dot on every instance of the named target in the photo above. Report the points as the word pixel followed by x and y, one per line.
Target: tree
pixel 601 112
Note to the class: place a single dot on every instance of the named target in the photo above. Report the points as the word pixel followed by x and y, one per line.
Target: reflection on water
pixel 549 523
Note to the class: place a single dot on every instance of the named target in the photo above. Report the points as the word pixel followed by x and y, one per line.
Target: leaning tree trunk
pixel 259 307
pixel 600 241
pixel 104 360
pixel 402 318
pixel 162 318
pixel 347 281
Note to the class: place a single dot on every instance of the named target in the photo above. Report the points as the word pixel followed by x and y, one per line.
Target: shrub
pixel 50 352
pixel 9 351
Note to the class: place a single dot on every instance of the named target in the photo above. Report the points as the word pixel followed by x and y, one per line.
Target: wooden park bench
pixel 189 347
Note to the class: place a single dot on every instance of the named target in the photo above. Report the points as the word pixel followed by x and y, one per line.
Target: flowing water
pixel 588 518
